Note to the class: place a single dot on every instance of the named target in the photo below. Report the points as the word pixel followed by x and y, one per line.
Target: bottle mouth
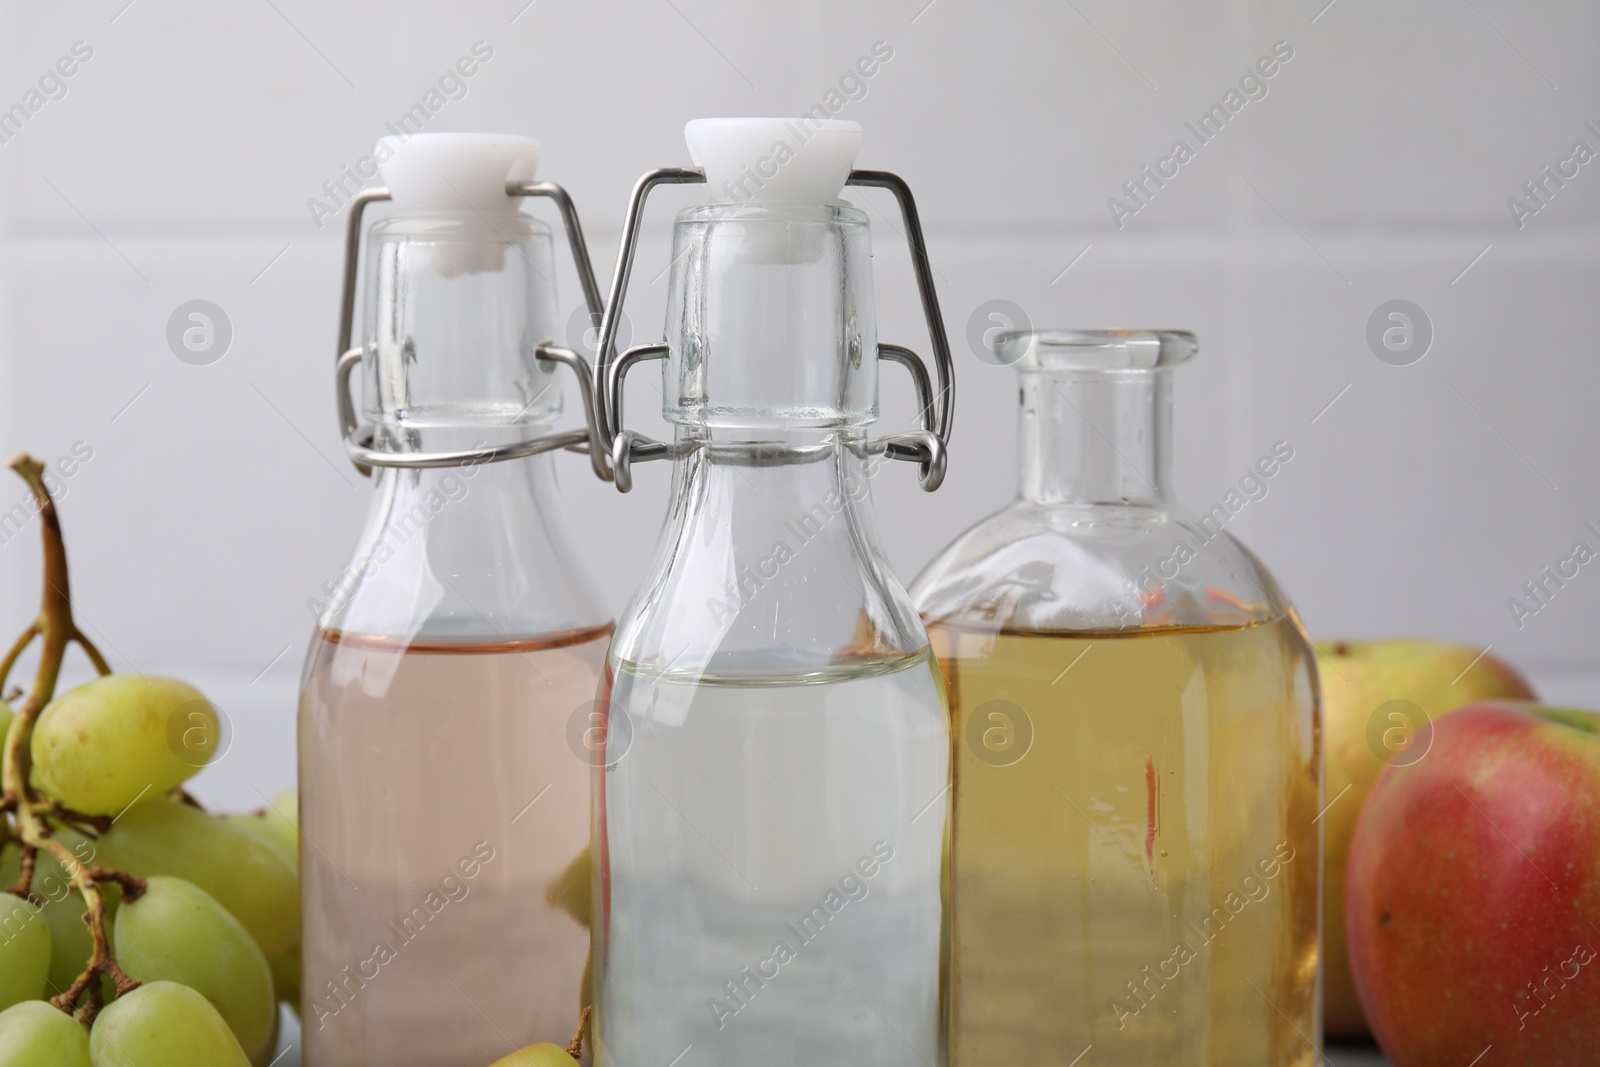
pixel 837 212
pixel 772 235
pixel 1091 350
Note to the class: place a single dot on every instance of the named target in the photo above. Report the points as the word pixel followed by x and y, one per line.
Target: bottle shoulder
pixel 773 565
pixel 462 555
pixel 1097 568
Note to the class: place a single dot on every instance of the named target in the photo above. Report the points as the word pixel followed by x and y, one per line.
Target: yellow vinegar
pixel 1136 851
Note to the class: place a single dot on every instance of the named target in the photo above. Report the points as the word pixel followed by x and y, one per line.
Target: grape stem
pixel 88 825
pixel 575 1046
pixel 24 886
pixel 57 632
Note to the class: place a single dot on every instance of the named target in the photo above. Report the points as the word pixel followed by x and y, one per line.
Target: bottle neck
pixel 455 305
pixel 769 319
pixel 1096 437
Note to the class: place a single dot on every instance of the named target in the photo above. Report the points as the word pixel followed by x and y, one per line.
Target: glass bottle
pixel 1136 851
pixel 440 799
pixel 771 814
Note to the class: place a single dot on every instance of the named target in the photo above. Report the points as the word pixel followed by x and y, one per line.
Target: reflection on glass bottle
pixel 770 823
pixel 441 800
pixel 1138 756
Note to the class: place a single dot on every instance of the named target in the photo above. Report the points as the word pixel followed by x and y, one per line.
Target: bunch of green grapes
pixel 136 930
pixel 201 919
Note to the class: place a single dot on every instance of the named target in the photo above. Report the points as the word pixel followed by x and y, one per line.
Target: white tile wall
pixel 1377 166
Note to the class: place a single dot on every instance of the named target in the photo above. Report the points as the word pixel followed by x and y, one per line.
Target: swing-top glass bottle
pixel 770 820
pixel 440 800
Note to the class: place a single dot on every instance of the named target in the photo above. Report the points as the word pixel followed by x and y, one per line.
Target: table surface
pixel 1340 1055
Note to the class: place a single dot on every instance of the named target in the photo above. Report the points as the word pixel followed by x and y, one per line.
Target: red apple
pixel 1472 899
pixel 1361 682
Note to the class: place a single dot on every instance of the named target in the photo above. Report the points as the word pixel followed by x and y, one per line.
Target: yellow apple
pixel 1376 696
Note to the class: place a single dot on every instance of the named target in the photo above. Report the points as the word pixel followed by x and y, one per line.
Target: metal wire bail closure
pixel 358 437
pixel 927 447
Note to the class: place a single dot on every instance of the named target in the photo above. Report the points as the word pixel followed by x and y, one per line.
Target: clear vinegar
pixel 1140 875
pixel 771 876
pixel 428 939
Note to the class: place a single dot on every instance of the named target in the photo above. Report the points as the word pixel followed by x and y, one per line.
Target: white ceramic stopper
pixel 764 161
pixel 456 171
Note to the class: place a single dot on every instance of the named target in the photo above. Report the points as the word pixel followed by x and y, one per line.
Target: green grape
pixel 105 744
pixel 258 827
pixel 64 908
pixel 243 873
pixel 542 1055
pixel 51 882
pixel 283 816
pixel 570 889
pixel 177 932
pixel 286 977
pixel 6 715
pixel 33 1034
pixel 70 942
pixel 268 1056
pixel 24 951
pixel 163 1024
pixel 277 826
